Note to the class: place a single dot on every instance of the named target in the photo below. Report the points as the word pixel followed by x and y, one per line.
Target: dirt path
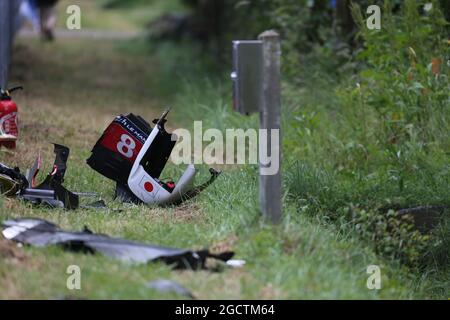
pixel 84 34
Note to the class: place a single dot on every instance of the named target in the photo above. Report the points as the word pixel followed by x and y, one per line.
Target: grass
pixel 74 88
pixel 132 16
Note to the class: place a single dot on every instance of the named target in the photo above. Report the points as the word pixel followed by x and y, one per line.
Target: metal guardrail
pixel 9 23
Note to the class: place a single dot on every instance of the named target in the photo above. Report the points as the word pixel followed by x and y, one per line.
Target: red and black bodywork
pixel 115 152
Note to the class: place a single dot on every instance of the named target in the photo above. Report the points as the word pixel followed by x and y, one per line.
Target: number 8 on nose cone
pixel 116 150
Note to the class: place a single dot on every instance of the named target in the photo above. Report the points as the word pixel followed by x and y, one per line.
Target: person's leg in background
pixel 48 18
pixel 48 22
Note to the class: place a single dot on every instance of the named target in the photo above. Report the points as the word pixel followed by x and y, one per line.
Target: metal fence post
pixel 9 23
pixel 5 41
pixel 270 114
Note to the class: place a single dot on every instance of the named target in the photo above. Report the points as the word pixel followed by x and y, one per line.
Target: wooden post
pixel 270 114
pixel 5 41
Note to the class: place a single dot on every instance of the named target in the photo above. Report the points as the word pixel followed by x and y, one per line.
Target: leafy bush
pixel 391 235
pixel 381 137
pixel 362 206
pixel 406 79
pixel 301 23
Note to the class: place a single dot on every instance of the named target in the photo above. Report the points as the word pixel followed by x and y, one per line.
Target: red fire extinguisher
pixel 9 130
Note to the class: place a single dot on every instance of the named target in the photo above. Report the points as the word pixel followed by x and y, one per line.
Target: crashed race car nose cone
pixel 133 154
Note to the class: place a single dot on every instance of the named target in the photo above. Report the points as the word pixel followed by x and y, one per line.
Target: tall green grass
pixel 355 143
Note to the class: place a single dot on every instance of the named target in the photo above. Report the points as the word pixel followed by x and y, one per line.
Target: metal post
pixel 9 23
pixel 270 114
pixel 5 41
